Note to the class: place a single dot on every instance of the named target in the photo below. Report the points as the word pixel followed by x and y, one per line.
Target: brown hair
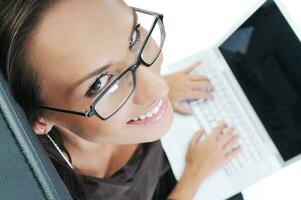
pixel 18 20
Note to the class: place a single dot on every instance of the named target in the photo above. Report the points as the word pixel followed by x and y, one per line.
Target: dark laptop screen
pixel 265 56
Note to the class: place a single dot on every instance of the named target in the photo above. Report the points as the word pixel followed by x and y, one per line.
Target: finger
pixel 192 66
pixel 226 135
pixel 232 154
pixel 198 94
pixel 217 131
pixel 178 107
pixel 198 78
pixel 197 136
pixel 231 143
pixel 203 85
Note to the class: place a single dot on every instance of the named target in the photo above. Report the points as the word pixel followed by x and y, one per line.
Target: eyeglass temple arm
pixel 146 11
pixel 85 114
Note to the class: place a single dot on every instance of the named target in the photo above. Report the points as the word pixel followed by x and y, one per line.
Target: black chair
pixel 26 171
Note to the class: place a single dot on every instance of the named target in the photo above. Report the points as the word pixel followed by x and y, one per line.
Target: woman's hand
pixel 183 86
pixel 205 157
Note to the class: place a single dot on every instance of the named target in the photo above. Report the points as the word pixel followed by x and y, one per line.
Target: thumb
pixel 178 107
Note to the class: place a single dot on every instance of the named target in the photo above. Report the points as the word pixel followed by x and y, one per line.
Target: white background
pixel 193 25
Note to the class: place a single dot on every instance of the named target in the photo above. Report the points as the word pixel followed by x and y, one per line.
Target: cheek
pixel 102 131
pixel 160 59
pixel 149 133
pixel 91 129
pixel 109 131
pixel 157 64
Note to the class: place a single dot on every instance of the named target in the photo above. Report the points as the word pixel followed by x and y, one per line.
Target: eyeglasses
pixel 119 90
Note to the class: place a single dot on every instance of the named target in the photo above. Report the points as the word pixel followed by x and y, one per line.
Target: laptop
pixel 256 72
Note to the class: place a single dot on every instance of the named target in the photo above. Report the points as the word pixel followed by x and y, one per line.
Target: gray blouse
pixel 147 175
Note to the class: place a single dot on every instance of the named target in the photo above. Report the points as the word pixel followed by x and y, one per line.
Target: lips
pixel 154 114
pixel 151 113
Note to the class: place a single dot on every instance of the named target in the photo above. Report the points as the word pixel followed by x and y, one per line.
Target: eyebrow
pixel 103 68
pixel 87 77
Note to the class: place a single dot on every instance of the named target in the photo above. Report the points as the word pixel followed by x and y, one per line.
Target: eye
pixel 136 36
pixel 99 84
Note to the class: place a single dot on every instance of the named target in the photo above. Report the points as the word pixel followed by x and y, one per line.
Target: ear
pixel 42 126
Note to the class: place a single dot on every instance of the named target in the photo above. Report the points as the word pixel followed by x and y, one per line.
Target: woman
pixel 87 75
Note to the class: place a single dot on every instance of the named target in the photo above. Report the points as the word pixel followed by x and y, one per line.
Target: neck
pixel 97 160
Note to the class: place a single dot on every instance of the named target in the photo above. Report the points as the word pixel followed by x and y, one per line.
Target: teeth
pixel 155 110
pixel 142 117
pixel 160 103
pixel 149 114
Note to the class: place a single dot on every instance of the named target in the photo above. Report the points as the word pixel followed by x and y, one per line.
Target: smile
pixel 154 115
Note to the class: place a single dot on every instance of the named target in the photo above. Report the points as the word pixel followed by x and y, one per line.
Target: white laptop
pixel 256 71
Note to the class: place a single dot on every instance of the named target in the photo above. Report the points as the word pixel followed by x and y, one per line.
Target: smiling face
pixel 76 38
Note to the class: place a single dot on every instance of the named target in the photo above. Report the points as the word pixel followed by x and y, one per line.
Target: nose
pixel 150 86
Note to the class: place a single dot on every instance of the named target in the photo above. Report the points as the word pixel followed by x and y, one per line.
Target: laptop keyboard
pixel 225 109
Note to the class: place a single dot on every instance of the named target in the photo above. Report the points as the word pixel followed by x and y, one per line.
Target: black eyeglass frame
pixel 92 111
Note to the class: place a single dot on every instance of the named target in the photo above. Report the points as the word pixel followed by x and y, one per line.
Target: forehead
pixel 81 35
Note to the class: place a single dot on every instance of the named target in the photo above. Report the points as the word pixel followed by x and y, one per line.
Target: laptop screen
pixel 264 55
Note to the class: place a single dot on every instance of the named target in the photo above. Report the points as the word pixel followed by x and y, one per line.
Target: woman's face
pixel 76 38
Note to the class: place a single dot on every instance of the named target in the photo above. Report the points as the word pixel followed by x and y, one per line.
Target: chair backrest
pixel 26 171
